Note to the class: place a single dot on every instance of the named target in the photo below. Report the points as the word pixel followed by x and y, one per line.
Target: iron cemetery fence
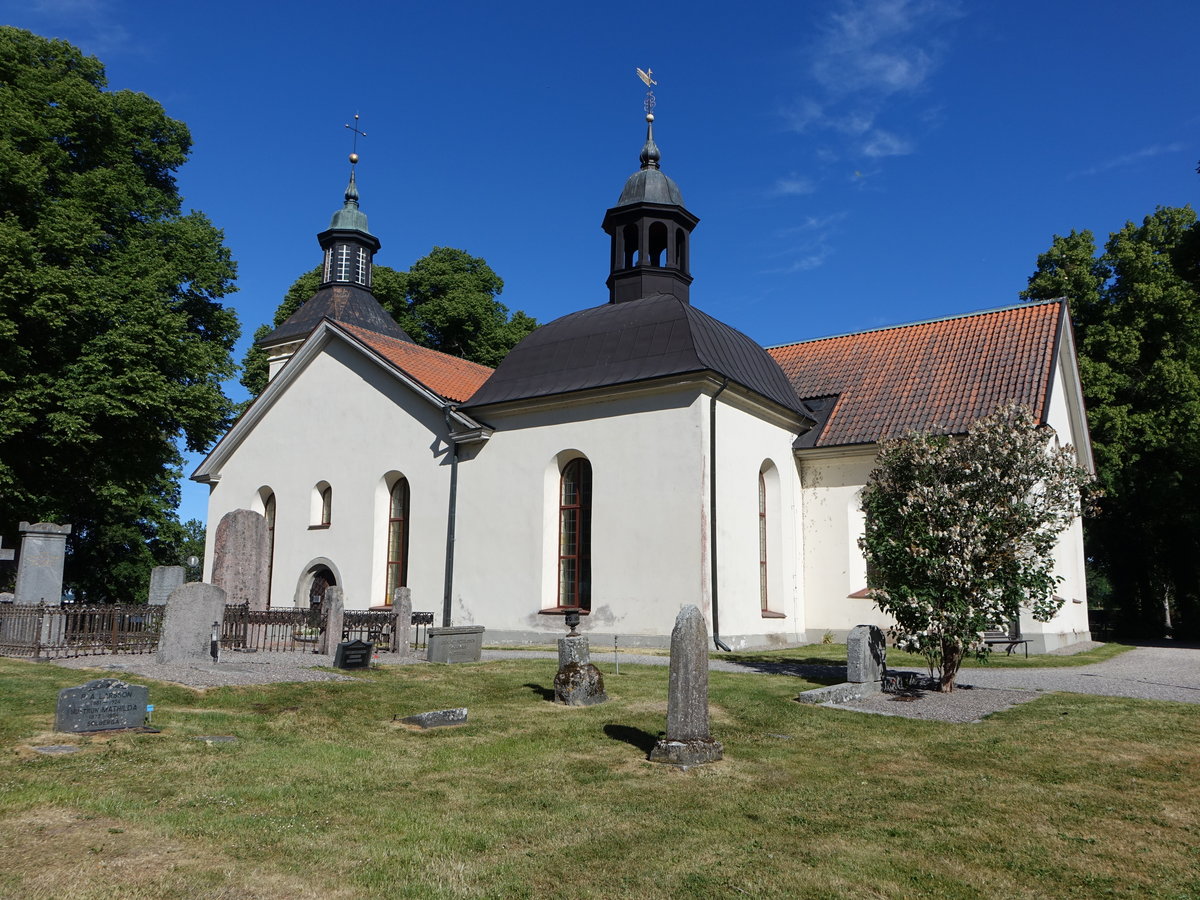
pixel 284 629
pixel 54 632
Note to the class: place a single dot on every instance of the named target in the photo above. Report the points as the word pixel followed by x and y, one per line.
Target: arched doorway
pixel 318 579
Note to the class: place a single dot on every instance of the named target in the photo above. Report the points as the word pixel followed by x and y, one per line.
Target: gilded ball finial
pixel 353 158
pixel 649 117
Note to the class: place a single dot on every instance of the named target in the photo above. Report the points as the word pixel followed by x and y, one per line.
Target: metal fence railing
pixel 53 632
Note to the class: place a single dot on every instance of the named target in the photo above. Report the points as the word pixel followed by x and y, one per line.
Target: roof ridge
pixel 967 315
pixel 412 345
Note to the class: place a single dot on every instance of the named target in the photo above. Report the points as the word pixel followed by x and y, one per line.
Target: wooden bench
pixel 1010 638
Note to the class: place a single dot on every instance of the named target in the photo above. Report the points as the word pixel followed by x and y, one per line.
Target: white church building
pixel 624 459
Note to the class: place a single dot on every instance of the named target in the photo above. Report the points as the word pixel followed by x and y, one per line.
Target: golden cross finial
pixel 357 134
pixel 648 80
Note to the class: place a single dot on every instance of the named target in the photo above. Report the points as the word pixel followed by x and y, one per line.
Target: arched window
pixel 762 541
pixel 658 243
pixel 681 250
pixel 629 236
pixel 321 509
pixel 575 535
pixel 397 539
pixel 269 515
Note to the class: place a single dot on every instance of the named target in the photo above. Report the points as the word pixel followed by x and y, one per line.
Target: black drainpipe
pixel 448 590
pixel 712 511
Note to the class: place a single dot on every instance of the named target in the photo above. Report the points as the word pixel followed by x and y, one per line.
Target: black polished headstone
pixel 105 704
pixel 353 655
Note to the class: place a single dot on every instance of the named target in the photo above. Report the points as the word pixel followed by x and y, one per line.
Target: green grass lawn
pixel 323 795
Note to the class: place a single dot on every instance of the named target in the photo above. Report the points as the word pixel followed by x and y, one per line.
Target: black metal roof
pixel 346 303
pixel 619 343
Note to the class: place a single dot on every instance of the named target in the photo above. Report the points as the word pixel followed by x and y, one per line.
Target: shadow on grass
pixel 816 670
pixel 544 692
pixel 638 737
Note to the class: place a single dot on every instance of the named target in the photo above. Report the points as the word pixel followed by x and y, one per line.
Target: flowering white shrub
pixel 960 532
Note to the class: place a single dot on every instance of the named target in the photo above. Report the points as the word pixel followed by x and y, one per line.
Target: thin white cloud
pixel 882 143
pixel 1129 159
pixel 807 245
pixel 793 185
pixel 92 24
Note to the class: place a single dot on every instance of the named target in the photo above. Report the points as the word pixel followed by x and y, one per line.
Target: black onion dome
pixel 623 343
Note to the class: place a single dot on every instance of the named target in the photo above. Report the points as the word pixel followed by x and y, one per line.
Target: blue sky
pixel 854 163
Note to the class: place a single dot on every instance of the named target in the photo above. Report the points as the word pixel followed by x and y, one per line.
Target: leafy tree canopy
pixel 1136 311
pixel 960 533
pixel 447 301
pixel 112 341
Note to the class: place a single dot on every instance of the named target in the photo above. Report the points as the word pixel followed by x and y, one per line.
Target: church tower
pixel 650 232
pixel 345 293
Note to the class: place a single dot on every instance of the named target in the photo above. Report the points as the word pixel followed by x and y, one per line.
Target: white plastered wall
pixel 649 536
pixel 347 421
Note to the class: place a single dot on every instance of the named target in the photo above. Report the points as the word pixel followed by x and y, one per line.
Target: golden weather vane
pixel 357 135
pixel 648 80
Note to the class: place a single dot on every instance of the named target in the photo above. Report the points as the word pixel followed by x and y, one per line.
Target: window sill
pixel 861 594
pixel 563 610
pixel 770 614
pixel 318 527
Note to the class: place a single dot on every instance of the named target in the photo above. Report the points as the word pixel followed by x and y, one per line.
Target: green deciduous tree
pixel 1136 311
pixel 960 532
pixel 112 341
pixel 447 301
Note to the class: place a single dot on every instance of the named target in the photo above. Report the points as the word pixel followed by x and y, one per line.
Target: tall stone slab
pixel 163 581
pixel 689 741
pixel 40 569
pixel 333 608
pixel 188 623
pixel 865 654
pixel 240 558
pixel 402 631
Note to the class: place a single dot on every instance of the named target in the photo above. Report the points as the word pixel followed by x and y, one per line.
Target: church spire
pixel 348 244
pixel 649 227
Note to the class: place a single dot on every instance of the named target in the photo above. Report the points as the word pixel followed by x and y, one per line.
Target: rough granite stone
pixel 333 608
pixel 865 654
pixel 573 650
pixel 402 610
pixel 40 568
pixel 457 644
pixel 438 718
pixel 188 623
pixel 688 741
pixel 578 682
pixel 240 560
pixel 164 580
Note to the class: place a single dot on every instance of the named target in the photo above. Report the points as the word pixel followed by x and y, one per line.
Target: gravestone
pixel 240 558
pixel 40 569
pixel 353 655
pixel 439 718
pixel 402 630
pixel 164 580
pixel 688 741
pixel 458 644
pixel 333 610
pixel 865 654
pixel 188 623
pixel 578 682
pixel 105 704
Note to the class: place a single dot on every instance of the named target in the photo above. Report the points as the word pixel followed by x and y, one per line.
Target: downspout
pixel 451 515
pixel 712 511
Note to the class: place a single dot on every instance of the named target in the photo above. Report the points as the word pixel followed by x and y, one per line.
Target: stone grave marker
pixel 865 654
pixel 353 655
pixel 164 580
pixel 438 718
pixel 402 632
pixel 689 741
pixel 240 558
pixel 578 682
pixel 188 623
pixel 333 610
pixel 40 569
pixel 105 704
pixel 458 644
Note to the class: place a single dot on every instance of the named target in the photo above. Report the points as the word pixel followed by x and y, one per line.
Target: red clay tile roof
pixel 447 376
pixel 931 377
